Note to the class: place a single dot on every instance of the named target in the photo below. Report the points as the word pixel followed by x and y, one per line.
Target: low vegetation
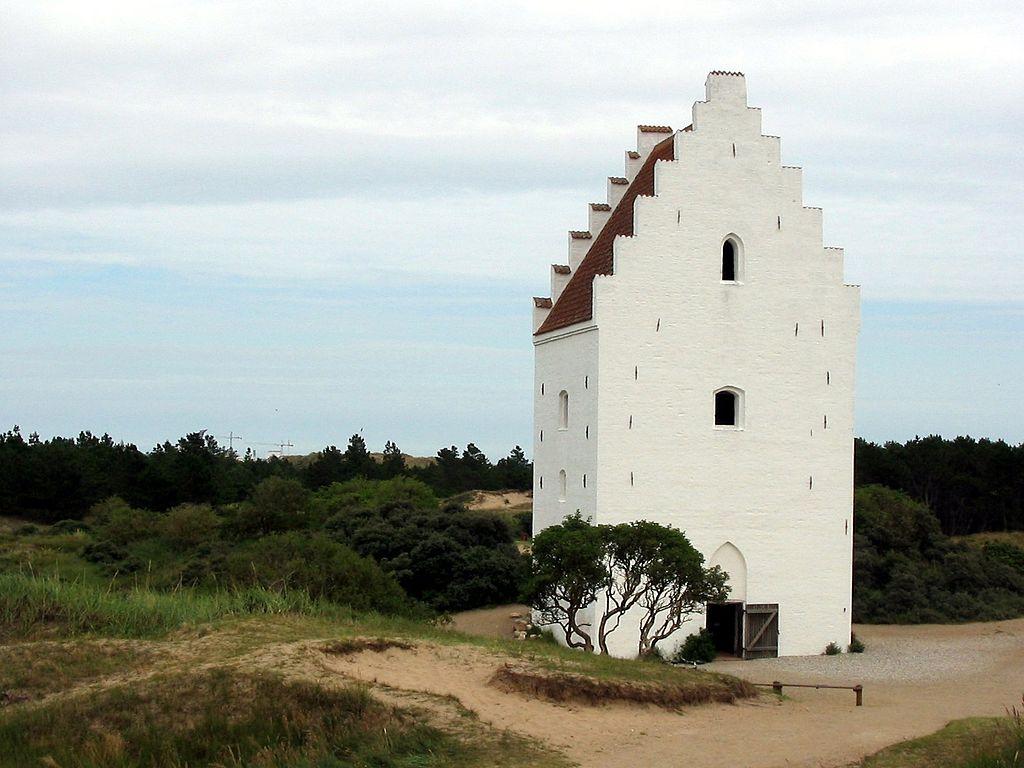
pixel 978 742
pixel 907 571
pixel 672 690
pixel 229 718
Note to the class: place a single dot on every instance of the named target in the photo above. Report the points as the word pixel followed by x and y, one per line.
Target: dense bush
pixel 319 566
pixel 188 525
pixel 447 557
pixel 698 647
pixel 906 571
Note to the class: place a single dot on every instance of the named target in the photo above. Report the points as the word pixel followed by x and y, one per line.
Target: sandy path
pixel 916 679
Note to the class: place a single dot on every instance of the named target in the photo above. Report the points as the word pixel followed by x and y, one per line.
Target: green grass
pixel 33 606
pixel 31 670
pixel 977 742
pixel 234 719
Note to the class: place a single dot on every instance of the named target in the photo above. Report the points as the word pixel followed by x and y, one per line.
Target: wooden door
pixel 762 631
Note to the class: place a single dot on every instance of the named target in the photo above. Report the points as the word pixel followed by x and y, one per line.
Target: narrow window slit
pixel 586 432
pixel 779 222
pixel 734 149
pixel 636 373
pixel 810 482
pixel 828 378
pixel 796 329
pixel 729 261
pixel 823 328
pixel 630 421
pixel 657 328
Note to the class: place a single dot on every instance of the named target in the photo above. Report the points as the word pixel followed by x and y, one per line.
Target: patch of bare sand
pixel 491 501
pixel 489 622
pixel 975 669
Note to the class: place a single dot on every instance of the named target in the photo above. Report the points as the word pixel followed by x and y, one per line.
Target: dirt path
pixel 916 679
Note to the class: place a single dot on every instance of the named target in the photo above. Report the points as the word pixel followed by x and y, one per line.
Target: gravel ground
pixel 922 654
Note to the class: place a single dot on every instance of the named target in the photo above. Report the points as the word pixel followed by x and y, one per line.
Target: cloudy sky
pixel 295 221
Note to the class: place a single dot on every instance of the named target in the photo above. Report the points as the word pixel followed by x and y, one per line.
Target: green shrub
pixel 1006 553
pixel 698 647
pixel 28 529
pixel 188 525
pixel 276 505
pixel 111 557
pixel 67 526
pixel 318 566
pixel 833 649
pixel 116 521
pixel 856 645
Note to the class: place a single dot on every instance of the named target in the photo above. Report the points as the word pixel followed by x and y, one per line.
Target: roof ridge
pixel 576 302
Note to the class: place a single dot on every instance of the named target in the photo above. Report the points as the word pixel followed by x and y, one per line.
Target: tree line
pixel 62 478
pixel 971 485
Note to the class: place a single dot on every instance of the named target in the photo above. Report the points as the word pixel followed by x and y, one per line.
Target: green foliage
pixel 971 485
pixel 642 565
pixel 61 478
pixel 1006 553
pixel 115 521
pixel 856 645
pixel 277 504
pixel 319 566
pixel 567 570
pixel 32 606
pixel 189 525
pixel 698 647
pixel 907 571
pixel 833 649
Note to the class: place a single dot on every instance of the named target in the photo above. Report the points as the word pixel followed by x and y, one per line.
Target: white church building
pixel 695 367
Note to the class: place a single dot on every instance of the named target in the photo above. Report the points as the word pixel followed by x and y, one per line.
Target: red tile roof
pixel 576 303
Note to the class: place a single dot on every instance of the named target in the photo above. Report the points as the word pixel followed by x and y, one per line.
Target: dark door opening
pixel 725 623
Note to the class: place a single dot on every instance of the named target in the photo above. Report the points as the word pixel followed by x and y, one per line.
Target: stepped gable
pixel 576 303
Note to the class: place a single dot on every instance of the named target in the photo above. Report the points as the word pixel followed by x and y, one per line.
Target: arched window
pixel 561 485
pixel 728 407
pixel 563 410
pixel 731 260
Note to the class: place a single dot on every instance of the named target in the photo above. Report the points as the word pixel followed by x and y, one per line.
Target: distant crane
pixel 281 446
pixel 230 437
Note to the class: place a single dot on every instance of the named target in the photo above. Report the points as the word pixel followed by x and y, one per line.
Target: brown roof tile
pixel 600 206
pixel 576 303
pixel 633 154
pixel 618 180
pixel 721 72
pixel 576 235
pixel 654 129
pixel 542 302
pixel 561 269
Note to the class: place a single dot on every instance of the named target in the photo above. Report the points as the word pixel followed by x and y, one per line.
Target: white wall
pixel 671 333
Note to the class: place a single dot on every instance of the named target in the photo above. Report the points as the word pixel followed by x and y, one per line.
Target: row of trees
pixel 971 485
pixel 62 478
pixel 631 568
